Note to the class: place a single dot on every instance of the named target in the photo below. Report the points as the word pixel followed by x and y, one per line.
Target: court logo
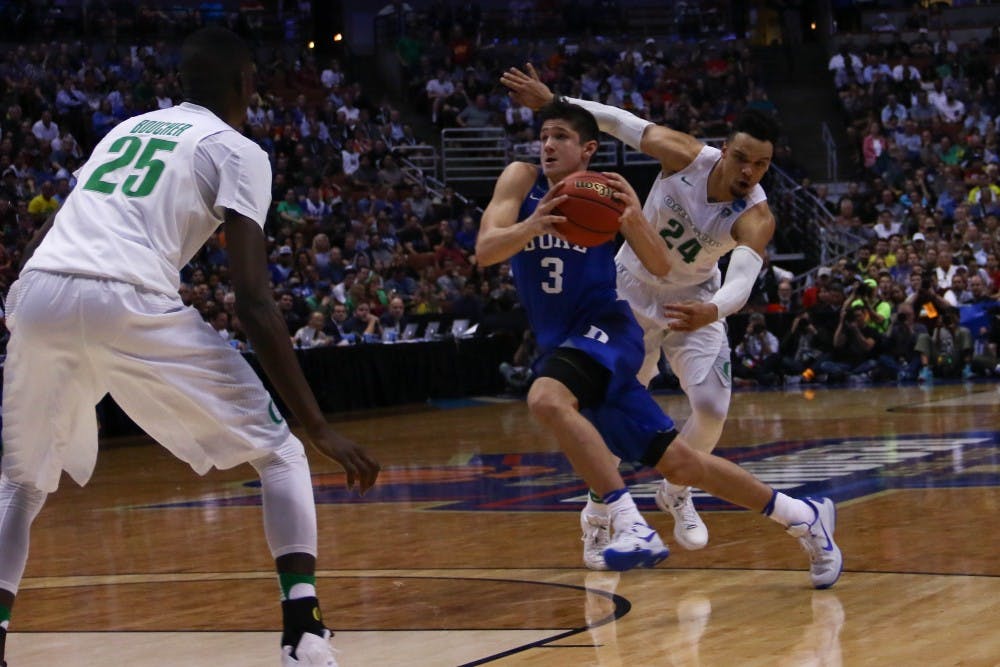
pixel 839 468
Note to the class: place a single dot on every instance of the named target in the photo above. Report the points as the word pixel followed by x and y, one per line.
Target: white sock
pixel 788 510
pixel 600 509
pixel 624 513
pixel 675 490
pixel 301 591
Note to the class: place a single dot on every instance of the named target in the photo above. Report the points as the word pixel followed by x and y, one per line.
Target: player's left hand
pixel 690 315
pixel 625 193
pixel 526 87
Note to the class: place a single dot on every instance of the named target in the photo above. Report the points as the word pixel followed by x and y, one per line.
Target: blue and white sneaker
pixel 637 546
pixel 825 559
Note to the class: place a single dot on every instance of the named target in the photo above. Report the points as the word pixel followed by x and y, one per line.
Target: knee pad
pixel 586 379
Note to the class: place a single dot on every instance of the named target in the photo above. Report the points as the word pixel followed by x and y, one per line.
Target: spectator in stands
pixel 438 89
pixel 289 312
pixel 957 293
pixel 312 334
pixel 873 146
pixel 335 326
pixel 364 323
pixel 394 318
pixel 476 113
pixel 44 203
pixel 846 66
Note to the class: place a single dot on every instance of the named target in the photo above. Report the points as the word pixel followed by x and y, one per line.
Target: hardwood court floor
pixel 468 552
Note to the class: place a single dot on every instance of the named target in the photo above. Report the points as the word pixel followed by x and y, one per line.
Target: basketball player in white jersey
pixel 96 311
pixel 705 203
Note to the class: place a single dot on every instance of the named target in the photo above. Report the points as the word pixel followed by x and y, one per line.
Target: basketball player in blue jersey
pixel 96 310
pixel 706 202
pixel 586 392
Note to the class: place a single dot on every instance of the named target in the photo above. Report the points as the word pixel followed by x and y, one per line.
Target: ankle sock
pixel 787 510
pixel 622 509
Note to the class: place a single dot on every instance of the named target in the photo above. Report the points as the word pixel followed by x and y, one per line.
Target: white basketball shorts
pixel 691 355
pixel 75 339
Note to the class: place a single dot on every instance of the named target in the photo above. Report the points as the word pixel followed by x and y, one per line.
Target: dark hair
pixel 581 120
pixel 212 61
pixel 758 125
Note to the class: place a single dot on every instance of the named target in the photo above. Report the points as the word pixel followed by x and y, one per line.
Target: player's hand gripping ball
pixel 592 212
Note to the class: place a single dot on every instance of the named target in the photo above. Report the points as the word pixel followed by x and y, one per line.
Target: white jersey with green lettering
pixel 150 195
pixel 697 232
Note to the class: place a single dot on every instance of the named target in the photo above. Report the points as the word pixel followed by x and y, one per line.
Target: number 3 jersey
pixel 150 195
pixel 560 285
pixel 697 232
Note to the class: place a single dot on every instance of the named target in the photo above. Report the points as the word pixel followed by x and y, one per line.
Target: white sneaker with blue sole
pixel 825 560
pixel 637 546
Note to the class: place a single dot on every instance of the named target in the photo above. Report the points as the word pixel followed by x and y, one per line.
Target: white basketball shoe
pixel 825 560
pixel 596 538
pixel 312 651
pixel 637 546
pixel 689 530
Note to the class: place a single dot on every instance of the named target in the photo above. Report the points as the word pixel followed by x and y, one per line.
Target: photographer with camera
pixel 946 352
pixel 802 348
pixel 899 358
pixel 854 344
pixel 756 357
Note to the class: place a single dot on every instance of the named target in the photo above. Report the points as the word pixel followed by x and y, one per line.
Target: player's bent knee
pixel 290 453
pixel 547 402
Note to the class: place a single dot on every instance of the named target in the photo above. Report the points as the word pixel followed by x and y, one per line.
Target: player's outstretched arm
pixel 499 237
pixel 648 246
pixel 269 335
pixel 674 150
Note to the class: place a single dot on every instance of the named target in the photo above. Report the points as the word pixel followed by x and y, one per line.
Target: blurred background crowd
pixel 362 244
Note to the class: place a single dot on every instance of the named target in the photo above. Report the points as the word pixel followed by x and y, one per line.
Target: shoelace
pixel 689 515
pixel 596 532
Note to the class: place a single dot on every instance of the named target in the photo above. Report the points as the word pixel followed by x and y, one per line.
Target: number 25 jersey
pixel 150 195
pixel 697 232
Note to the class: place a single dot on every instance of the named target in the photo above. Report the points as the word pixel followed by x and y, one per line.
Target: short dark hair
pixel 581 120
pixel 212 59
pixel 758 125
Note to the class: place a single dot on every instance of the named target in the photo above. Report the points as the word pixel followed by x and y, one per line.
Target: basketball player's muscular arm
pixel 500 238
pixel 269 335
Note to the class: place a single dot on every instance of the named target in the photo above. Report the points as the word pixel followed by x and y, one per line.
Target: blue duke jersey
pixel 570 295
pixel 560 284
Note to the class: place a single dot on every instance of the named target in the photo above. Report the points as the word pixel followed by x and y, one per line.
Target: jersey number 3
pixel 128 147
pixel 553 284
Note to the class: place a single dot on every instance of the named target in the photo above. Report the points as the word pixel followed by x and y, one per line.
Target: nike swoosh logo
pixel 648 538
pixel 685 181
pixel 534 197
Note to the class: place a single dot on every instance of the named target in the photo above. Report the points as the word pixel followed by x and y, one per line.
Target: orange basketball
pixel 591 212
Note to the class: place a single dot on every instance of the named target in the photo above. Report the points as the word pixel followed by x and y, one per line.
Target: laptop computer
pixel 431 331
pixel 458 327
pixel 410 331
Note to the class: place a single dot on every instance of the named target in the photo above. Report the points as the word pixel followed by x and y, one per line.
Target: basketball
pixel 591 212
